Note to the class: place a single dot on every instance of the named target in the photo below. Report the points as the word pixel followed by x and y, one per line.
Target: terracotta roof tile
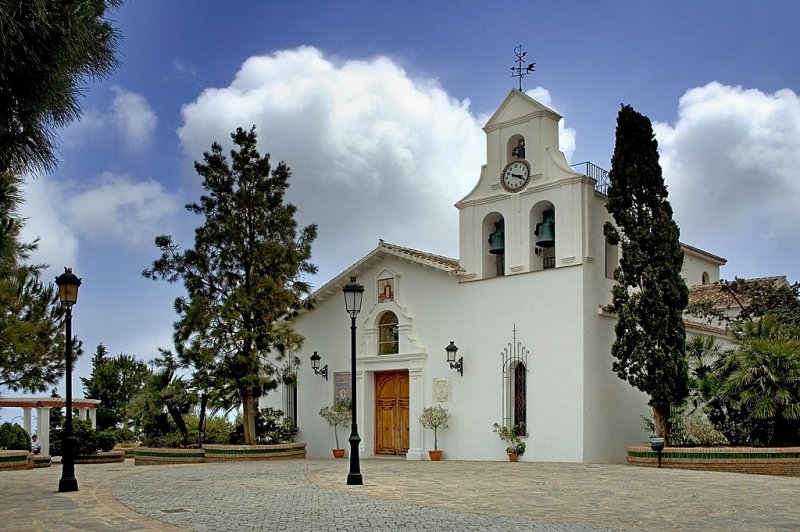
pixel 719 297
pixel 421 256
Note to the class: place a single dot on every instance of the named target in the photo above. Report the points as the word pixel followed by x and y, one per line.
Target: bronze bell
pixel 497 241
pixel 546 230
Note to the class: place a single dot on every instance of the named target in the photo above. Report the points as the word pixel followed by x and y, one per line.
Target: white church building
pixel 522 303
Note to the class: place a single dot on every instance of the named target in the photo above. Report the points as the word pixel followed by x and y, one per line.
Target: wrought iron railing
pixel 548 262
pixel 595 172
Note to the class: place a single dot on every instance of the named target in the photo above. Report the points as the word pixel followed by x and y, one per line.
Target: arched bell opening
pixel 704 278
pixel 494 245
pixel 515 148
pixel 543 236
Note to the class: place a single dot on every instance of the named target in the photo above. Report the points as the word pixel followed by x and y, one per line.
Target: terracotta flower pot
pixel 513 457
pixel 338 453
pixel 435 456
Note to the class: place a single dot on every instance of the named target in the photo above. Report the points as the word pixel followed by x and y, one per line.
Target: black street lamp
pixel 353 294
pixel 68 284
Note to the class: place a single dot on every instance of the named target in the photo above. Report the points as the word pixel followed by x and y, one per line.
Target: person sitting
pixel 35 447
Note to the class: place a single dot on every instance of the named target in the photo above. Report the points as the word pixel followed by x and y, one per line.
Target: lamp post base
pixel 355 479
pixel 67 484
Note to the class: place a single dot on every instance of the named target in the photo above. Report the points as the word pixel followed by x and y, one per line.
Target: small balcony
pixel 595 172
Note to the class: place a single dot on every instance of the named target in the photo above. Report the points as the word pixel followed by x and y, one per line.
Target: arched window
pixel 704 279
pixel 388 343
pixel 520 396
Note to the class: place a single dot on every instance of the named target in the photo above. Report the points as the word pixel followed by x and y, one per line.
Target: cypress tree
pixel 649 295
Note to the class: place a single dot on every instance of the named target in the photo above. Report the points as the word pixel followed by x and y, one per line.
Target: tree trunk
pixel 661 421
pixel 179 422
pixel 201 424
pixel 249 408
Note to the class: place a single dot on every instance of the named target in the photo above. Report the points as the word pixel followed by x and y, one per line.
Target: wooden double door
pixel 391 412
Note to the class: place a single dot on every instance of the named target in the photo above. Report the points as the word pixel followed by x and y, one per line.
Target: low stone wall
pixel 218 453
pixel 130 452
pixel 759 460
pixel 100 458
pixel 15 460
pixel 225 453
pixel 163 455
pixel 41 460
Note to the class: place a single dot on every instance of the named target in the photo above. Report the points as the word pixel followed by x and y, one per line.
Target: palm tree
pixel 762 379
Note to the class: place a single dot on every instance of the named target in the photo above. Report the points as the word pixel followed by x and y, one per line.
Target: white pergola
pixel 87 409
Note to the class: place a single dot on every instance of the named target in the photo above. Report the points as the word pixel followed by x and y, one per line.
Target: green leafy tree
pixel 115 381
pixel 32 319
pixel 159 408
pixel 48 48
pixel 244 275
pixel 649 295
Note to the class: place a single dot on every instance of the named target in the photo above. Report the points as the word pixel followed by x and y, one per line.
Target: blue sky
pixel 370 102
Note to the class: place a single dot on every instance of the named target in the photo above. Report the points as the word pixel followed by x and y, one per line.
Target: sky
pixel 377 107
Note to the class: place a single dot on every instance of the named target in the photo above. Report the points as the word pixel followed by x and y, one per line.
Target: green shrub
pixel 271 427
pixel 106 439
pixel 124 437
pixel 14 438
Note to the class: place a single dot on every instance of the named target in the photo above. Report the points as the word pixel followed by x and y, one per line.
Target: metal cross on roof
pixel 520 71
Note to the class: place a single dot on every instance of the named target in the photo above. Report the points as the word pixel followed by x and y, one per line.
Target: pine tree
pixel 650 294
pixel 115 381
pixel 47 49
pixel 32 319
pixel 244 275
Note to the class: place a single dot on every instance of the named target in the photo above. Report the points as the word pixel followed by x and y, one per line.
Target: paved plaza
pixel 397 495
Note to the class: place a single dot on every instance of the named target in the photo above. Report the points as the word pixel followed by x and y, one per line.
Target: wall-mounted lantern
pixel 458 365
pixel 315 358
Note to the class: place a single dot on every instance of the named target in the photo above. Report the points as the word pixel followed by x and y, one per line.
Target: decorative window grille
pixel 290 391
pixel 514 390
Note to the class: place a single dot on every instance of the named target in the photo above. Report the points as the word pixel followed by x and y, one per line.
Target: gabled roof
pixel 704 254
pixel 520 100
pixel 384 249
pixel 717 295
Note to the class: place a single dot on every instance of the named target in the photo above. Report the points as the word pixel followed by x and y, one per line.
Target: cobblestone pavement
pixel 397 495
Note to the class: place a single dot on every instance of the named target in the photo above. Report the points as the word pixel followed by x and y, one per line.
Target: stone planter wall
pixel 759 460
pixel 226 453
pixel 162 455
pixel 130 452
pixel 15 460
pixel 41 460
pixel 100 458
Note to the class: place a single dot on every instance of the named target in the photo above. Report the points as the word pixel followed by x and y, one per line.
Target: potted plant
pixel 511 436
pixel 336 415
pixel 434 418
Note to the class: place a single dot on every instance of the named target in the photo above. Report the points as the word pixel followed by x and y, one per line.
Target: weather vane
pixel 520 71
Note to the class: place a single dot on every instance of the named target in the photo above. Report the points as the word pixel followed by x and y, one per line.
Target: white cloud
pixel 374 153
pixel 184 69
pixel 133 118
pixel 117 207
pixel 58 244
pixel 730 161
pixel 110 208
pixel 129 117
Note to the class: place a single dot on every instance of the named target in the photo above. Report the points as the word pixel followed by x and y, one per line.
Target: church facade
pixel 523 304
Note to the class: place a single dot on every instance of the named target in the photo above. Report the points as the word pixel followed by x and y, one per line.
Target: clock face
pixel 515 175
